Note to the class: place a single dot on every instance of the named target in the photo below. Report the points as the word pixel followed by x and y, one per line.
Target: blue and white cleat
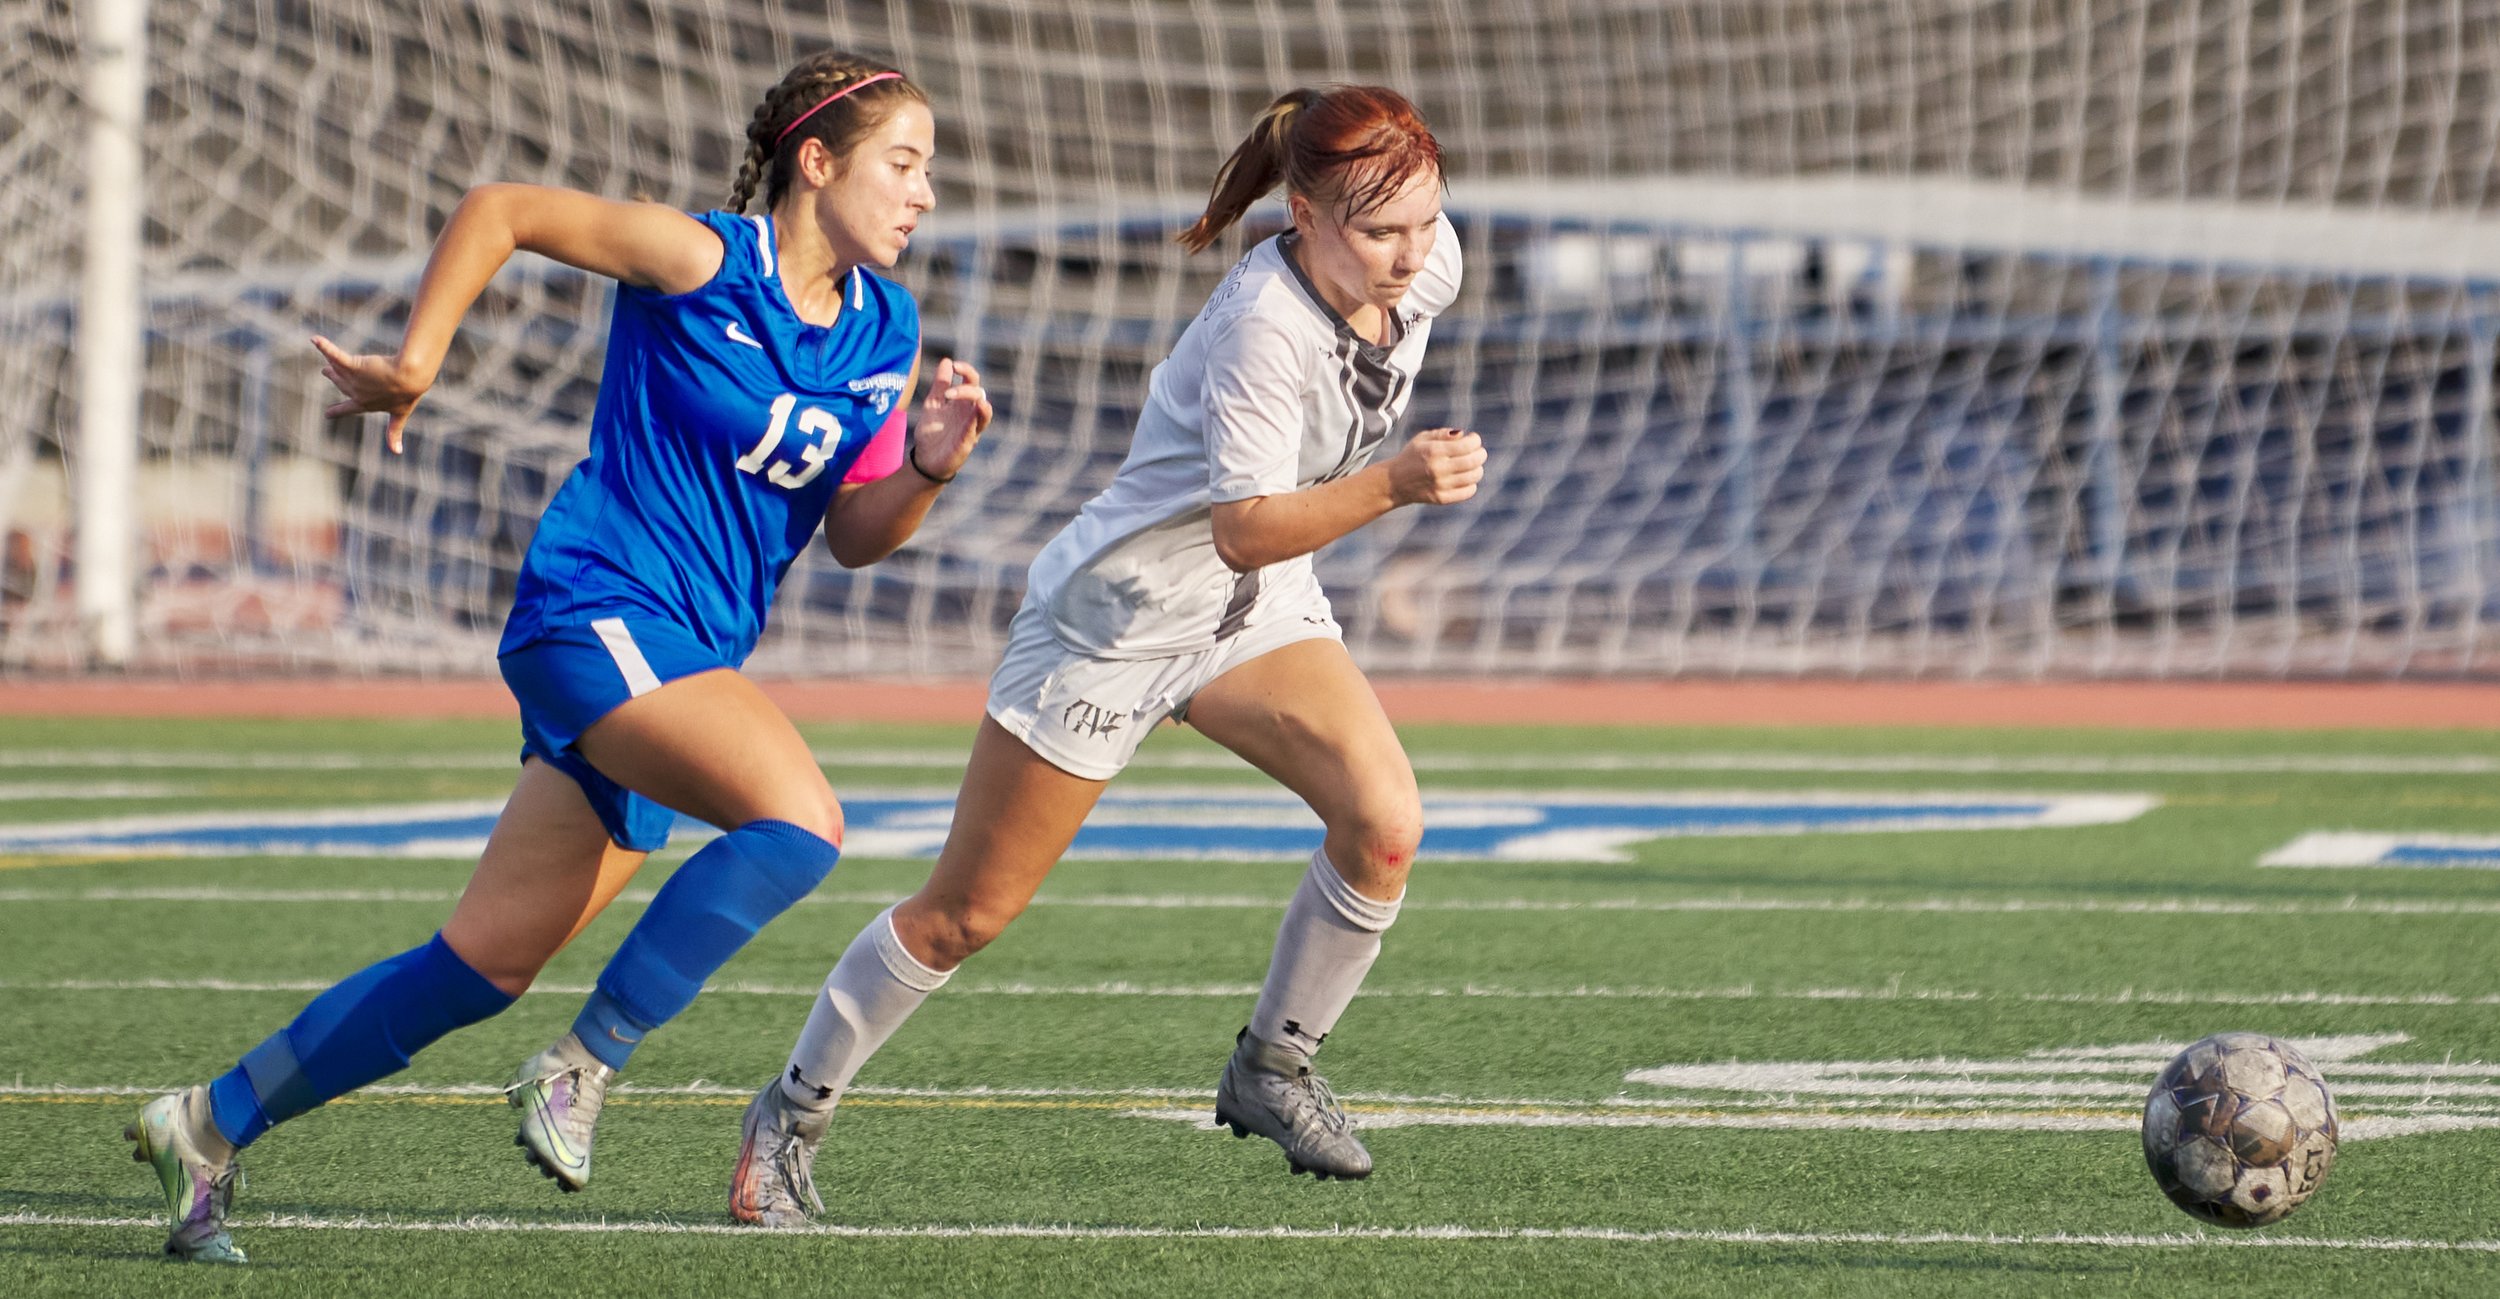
pixel 558 1092
pixel 199 1190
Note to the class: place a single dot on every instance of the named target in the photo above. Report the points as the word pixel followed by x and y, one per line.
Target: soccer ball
pixel 2239 1129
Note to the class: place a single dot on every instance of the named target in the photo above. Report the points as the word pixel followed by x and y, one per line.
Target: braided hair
pixel 772 158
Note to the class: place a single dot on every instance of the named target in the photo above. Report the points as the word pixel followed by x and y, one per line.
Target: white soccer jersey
pixel 1267 392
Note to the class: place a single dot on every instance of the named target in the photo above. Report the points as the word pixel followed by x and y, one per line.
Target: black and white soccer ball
pixel 2239 1129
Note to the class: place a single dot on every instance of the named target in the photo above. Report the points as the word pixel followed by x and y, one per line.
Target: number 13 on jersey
pixel 822 434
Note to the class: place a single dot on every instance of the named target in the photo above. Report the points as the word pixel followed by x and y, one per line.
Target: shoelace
pixel 1324 1100
pixel 540 1081
pixel 589 1088
pixel 798 1173
pixel 221 1189
pixel 221 1192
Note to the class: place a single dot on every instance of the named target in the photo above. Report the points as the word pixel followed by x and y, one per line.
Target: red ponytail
pixel 1346 147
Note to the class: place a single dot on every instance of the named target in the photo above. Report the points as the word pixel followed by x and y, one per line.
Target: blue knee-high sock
pixel 364 1028
pixel 708 910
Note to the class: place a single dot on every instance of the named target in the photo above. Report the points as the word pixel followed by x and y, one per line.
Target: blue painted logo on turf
pixel 1227 824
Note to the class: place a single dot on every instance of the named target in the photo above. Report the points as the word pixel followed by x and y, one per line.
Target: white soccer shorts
pixel 1087 715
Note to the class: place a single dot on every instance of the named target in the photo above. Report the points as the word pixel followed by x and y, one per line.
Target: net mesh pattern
pixel 1901 338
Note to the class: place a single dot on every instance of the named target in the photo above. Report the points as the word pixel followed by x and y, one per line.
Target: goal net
pixel 1894 337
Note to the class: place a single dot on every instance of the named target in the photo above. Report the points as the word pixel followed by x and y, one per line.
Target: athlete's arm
pixel 868 521
pixel 643 244
pixel 1439 466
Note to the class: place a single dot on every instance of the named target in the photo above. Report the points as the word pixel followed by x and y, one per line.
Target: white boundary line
pixel 2056 1106
pixel 209 760
pixel 71 791
pixel 1446 1232
pixel 703 1089
pixel 1674 1106
pixel 2348 905
pixel 1457 992
pixel 2377 1127
pixel 56 836
pixel 1902 1096
pixel 1724 760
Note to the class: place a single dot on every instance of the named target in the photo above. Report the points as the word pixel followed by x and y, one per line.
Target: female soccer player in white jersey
pixel 1185 590
pixel 756 384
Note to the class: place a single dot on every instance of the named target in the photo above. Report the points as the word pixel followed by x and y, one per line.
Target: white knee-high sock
pixel 876 985
pixel 1328 942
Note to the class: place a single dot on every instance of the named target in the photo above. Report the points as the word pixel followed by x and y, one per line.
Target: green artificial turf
pixel 1014 1137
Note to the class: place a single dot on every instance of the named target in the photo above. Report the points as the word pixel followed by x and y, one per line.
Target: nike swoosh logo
pixel 737 335
pixel 562 1150
pixel 558 1146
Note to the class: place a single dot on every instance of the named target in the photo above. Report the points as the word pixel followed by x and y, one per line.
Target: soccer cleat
pixel 198 1189
pixel 775 1184
pixel 1271 1091
pixel 558 1092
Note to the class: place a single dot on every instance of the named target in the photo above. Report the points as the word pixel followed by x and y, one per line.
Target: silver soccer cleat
pixel 1270 1090
pixel 558 1092
pixel 199 1191
pixel 775 1182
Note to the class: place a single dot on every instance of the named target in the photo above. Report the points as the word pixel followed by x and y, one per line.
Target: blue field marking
pixel 2427 855
pixel 1223 824
pixel 2388 848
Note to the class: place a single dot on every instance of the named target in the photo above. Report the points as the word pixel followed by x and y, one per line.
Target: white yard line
pixel 216 760
pixel 1712 760
pixel 449 1091
pixel 2048 1106
pixel 2353 1129
pixel 2080 764
pixel 42 836
pixel 1366 1102
pixel 1463 991
pixel 69 791
pixel 2132 906
pixel 1374 1108
pixel 1452 1232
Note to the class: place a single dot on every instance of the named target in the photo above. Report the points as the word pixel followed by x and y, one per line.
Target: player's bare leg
pixel 548 869
pixel 1014 819
pixel 709 745
pixel 714 747
pixel 1305 715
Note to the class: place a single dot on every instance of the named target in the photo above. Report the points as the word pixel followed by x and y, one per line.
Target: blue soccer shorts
pixel 573 676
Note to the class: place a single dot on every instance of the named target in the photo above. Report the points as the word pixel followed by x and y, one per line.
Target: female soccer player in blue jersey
pixel 1185 590
pixel 756 384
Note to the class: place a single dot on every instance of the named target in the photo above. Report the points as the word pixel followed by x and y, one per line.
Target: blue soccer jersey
pixel 724 426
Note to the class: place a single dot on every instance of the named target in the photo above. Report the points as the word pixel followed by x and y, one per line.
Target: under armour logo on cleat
pixel 737 335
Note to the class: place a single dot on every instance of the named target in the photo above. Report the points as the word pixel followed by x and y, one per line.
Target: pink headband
pixel 863 81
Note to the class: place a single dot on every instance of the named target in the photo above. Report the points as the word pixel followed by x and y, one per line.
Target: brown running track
pixel 2241 705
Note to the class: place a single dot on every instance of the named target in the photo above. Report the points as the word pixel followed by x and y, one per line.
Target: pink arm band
pixel 884 452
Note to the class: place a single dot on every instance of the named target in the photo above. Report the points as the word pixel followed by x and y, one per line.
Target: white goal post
pixel 1882 337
